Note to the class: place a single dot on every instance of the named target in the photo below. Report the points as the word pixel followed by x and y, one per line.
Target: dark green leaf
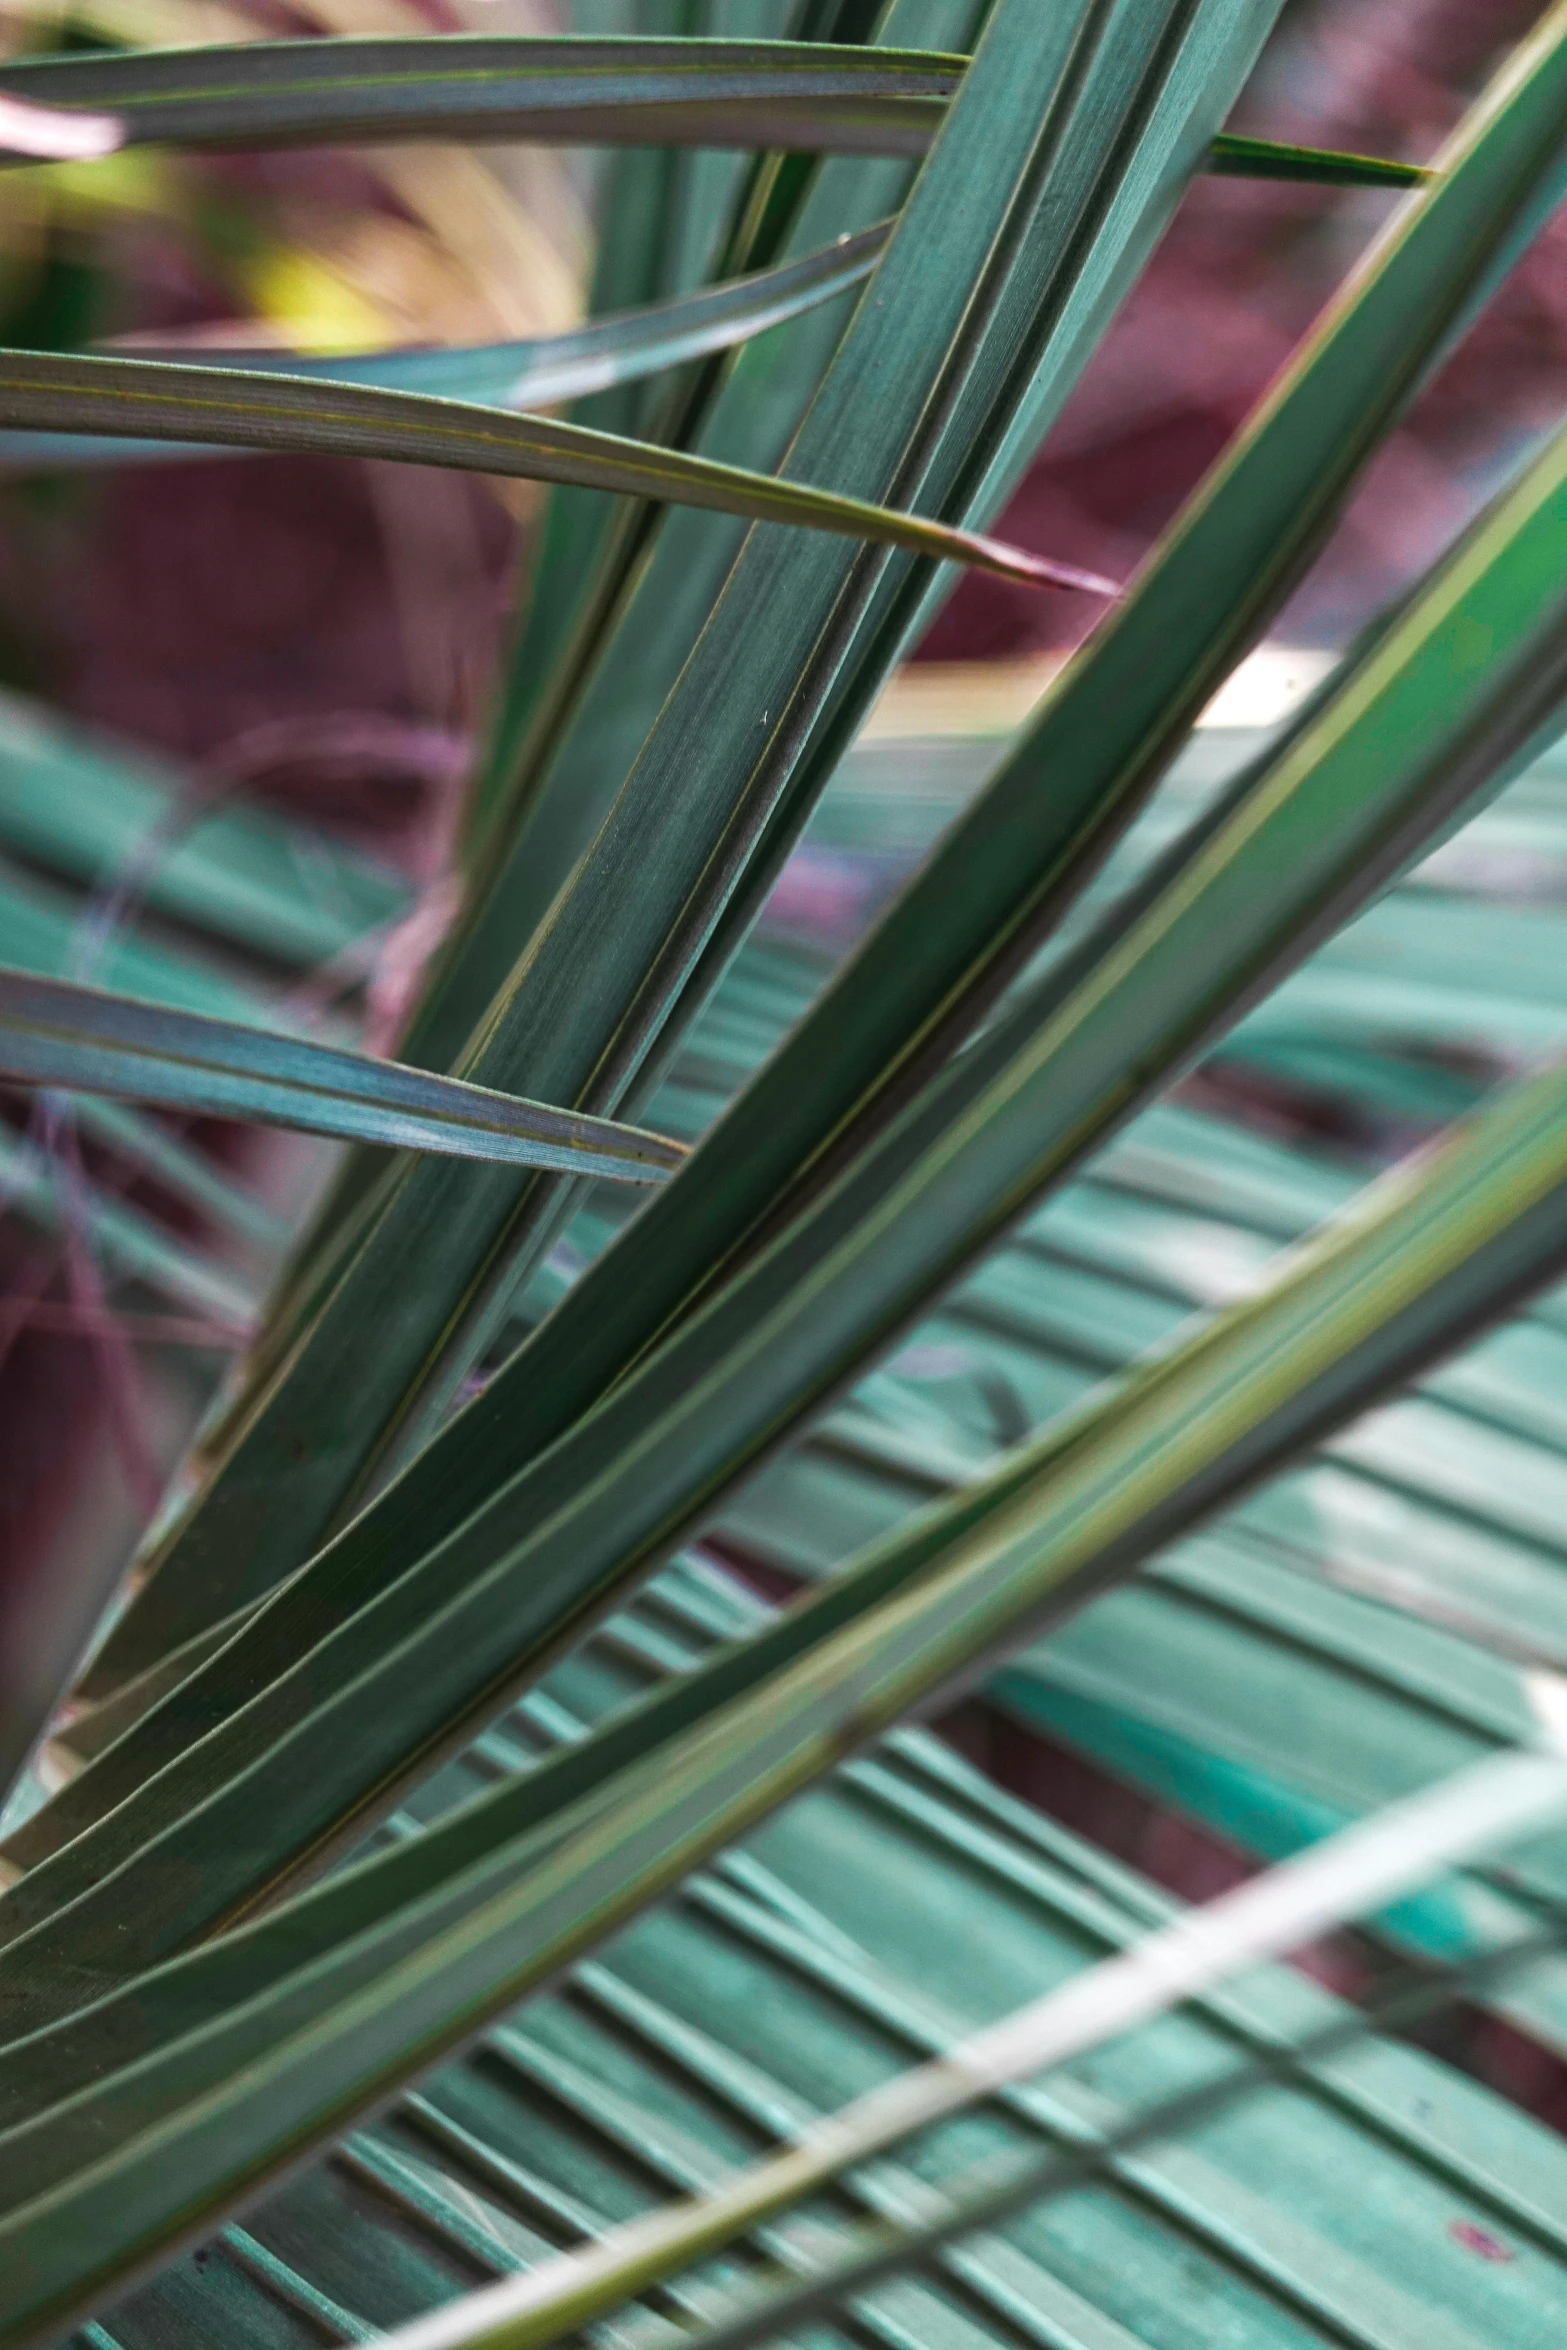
pixel 572 92
pixel 1306 839
pixel 287 2035
pixel 794 95
pixel 157 399
pixel 55 1033
pixel 1102 736
pixel 590 671
pixel 726 742
pixel 1100 742
pixel 1233 157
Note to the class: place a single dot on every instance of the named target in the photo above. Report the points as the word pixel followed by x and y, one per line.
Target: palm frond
pixel 404 1709
pixel 1361 1868
pixel 718 769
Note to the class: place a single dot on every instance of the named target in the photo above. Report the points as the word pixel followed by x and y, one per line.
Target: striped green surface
pixel 1379 2202
pixel 1385 2202
pixel 1454 1501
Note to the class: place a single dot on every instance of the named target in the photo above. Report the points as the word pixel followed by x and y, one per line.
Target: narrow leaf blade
pixel 56 392
pixel 536 374
pixel 56 1033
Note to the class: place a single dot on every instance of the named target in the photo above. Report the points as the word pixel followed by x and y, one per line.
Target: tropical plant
pixel 416 1605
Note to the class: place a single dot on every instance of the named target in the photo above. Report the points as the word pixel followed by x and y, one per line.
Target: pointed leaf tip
pixel 1016 563
pixel 57 1032
pixel 1044 571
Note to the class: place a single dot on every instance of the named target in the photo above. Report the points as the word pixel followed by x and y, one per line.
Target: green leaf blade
pixel 604 353
pixel 1234 157
pixel 234 408
pixel 1305 841
pixel 1110 724
pixel 1438 1251
pixel 705 782
pixel 1015 861
pixel 804 96
pixel 56 1033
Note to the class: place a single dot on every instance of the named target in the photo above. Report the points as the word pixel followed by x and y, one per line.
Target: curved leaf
pixel 1102 735
pixel 74 804
pixel 189 2080
pixel 408 1665
pixel 184 1171
pixel 803 95
pixel 54 392
pixel 53 1032
pixel 1058 804
pixel 709 777
pixel 535 374
pixel 814 96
